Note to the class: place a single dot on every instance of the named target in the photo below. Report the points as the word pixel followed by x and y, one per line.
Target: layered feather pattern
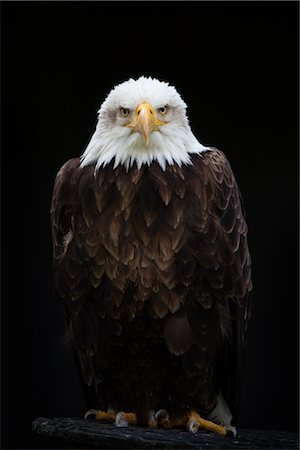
pixel 154 271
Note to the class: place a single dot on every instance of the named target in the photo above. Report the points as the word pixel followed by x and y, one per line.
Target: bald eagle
pixel 152 265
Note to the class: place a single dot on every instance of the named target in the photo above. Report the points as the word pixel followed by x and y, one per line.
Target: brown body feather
pixel 154 271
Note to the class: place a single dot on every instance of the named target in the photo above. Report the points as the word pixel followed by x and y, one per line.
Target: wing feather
pixel 217 239
pixel 180 236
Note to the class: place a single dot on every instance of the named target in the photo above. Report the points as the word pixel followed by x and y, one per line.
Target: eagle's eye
pixel 124 112
pixel 163 110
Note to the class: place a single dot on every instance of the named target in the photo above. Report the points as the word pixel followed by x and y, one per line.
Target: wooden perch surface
pixel 90 434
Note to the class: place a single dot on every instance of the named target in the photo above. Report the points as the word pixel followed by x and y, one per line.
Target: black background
pixel 236 66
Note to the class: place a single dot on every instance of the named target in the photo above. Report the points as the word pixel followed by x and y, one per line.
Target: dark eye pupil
pixel 124 111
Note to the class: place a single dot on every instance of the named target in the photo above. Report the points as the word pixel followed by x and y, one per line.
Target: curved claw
pixel 193 426
pixel 158 419
pixel 90 412
pixel 120 420
pixel 231 431
pixel 161 414
pixel 123 419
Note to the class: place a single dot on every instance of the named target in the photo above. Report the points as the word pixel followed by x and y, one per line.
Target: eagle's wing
pixel 67 226
pixel 69 230
pixel 207 234
pixel 85 217
pixel 225 265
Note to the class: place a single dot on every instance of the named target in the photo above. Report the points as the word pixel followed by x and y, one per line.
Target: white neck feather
pixel 168 146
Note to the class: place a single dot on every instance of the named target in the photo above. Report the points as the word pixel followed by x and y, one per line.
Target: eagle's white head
pixel 141 121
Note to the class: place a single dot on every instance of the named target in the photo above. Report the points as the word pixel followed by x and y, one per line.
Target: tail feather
pixel 221 413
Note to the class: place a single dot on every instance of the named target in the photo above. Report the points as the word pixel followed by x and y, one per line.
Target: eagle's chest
pixel 141 229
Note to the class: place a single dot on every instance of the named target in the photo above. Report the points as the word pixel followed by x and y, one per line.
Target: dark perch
pixel 92 434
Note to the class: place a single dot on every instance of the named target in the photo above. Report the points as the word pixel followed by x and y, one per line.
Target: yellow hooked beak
pixel 144 121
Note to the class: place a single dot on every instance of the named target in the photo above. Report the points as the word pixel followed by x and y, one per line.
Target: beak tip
pixel 146 139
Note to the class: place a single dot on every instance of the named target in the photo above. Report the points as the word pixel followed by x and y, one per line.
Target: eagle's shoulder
pixel 62 190
pixel 212 158
pixel 216 173
pixel 68 168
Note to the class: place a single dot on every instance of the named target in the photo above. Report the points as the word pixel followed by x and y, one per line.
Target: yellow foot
pixel 192 421
pixel 121 419
pixel 101 415
pixel 195 422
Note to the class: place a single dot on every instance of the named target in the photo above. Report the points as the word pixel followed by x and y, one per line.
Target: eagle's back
pixel 154 271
